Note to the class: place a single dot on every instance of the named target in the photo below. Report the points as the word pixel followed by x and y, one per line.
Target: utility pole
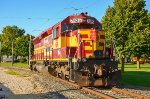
pixel 0 53
pixel 29 50
pixel 12 52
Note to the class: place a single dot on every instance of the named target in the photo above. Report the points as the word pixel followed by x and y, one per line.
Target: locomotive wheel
pixel 33 68
pixel 58 75
pixel 54 73
pixel 67 77
pixel 62 75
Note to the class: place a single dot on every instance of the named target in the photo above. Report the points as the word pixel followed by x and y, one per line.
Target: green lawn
pixel 134 76
pixel 12 72
pixel 9 64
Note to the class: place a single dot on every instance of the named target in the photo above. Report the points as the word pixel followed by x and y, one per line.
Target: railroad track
pixel 112 93
pixel 117 93
pixel 106 93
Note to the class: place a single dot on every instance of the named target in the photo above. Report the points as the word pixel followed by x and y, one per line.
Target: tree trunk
pixel 15 57
pixel 122 64
pixel 138 63
pixel 2 58
pixel 28 60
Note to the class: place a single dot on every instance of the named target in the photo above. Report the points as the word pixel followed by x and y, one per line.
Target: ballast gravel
pixel 38 86
pixel 35 86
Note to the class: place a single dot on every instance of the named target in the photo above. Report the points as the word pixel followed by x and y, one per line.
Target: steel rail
pixel 129 93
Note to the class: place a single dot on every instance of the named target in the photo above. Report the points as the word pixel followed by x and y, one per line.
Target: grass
pixel 11 72
pixel 9 64
pixel 134 76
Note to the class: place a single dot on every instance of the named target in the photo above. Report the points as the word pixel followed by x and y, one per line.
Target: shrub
pixel 23 60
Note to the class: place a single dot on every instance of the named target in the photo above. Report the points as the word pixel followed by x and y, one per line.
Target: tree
pixel 22 45
pixel 113 23
pixel 139 36
pixel 9 34
pixel 20 41
pixel 126 22
pixel 108 24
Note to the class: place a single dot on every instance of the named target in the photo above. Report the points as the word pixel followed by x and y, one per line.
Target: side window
pixel 55 33
pixel 45 41
pixel 64 27
pixel 98 27
pixel 74 27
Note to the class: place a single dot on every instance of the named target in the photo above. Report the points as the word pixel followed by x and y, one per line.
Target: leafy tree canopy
pixel 22 45
pixel 20 41
pixel 9 34
pixel 127 24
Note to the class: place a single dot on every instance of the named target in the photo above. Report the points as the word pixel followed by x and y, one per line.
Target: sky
pixel 36 16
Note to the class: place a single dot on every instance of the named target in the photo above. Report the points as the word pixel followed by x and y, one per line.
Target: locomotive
pixel 74 50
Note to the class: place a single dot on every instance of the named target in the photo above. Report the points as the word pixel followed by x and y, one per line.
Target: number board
pixel 76 20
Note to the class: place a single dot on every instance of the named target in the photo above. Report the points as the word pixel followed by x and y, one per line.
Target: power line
pixel 41 18
pixel 56 15
pixel 27 18
pixel 86 7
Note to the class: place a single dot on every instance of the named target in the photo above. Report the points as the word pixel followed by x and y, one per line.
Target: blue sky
pixel 37 15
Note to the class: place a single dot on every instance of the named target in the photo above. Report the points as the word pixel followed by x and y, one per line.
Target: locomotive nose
pixel 94 35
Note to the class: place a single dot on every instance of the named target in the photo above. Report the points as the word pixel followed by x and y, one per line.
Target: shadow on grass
pixel 137 78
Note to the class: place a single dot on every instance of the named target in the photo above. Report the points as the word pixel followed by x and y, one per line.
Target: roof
pixel 49 30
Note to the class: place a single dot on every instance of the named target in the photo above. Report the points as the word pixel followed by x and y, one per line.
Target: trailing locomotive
pixel 74 50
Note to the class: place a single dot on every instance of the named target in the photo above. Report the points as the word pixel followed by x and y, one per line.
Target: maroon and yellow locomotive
pixel 74 49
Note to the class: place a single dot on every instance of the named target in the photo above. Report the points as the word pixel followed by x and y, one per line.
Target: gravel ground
pixel 35 86
pixel 145 91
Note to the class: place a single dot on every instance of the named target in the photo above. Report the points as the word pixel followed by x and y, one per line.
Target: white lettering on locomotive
pixel 90 21
pixel 76 20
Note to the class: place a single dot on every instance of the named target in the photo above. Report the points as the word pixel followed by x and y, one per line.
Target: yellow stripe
pixel 86 31
pixel 82 31
pixel 60 59
pixel 102 40
pixel 72 41
pixel 42 47
pixel 88 48
pixel 100 48
pixel 88 55
pixel 56 59
pixel 101 32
